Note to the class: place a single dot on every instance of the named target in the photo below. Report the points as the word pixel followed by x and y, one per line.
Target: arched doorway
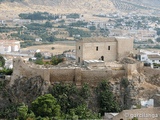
pixel 102 58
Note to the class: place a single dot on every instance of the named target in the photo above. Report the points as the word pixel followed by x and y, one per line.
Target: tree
pixel 39 62
pixel 38 55
pixel 73 15
pixel 48 24
pixel 69 96
pixel 2 61
pixel 66 96
pixel 92 28
pixel 158 31
pixel 46 106
pixel 82 33
pixel 150 41
pixel 23 113
pixel 81 112
pixel 51 38
pixel 106 99
pixel 78 24
pixel 6 71
pixel 158 39
pixel 56 60
pixel 85 91
pixel 52 48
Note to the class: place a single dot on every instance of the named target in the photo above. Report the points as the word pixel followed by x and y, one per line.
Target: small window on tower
pixel 97 48
pixel 79 47
pixel 109 47
pixel 78 59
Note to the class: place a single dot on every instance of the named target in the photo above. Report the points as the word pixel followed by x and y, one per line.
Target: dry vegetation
pixel 58 48
pixel 86 7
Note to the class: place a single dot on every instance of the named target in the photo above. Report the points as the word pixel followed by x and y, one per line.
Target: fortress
pixel 92 49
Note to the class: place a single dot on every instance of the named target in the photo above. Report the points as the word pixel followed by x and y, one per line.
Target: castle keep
pixel 103 49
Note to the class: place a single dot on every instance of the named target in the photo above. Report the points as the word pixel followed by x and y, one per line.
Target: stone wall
pixel 93 77
pixel 52 75
pixel 124 47
pixel 21 69
pixel 62 75
pixel 133 69
pixel 68 75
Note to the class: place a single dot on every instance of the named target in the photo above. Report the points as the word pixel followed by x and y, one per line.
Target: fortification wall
pixel 95 76
pixel 133 69
pixel 62 75
pixel 118 73
pixel 21 69
pixel 69 75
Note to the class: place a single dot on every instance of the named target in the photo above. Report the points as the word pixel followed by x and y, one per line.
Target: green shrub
pixel 6 71
pixel 56 60
pixel 2 61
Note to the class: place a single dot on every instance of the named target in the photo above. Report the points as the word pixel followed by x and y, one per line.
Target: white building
pixel 9 46
pixel 147 103
pixel 38 39
pixel 149 57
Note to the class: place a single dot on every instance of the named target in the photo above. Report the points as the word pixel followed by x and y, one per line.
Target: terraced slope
pixel 131 5
pixel 152 3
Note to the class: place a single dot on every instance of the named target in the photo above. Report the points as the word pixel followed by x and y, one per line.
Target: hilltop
pixel 12 9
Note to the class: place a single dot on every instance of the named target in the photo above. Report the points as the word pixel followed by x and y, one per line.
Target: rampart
pixel 75 75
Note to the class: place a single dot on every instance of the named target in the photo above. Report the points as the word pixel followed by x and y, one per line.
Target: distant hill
pixel 11 8
pixel 15 7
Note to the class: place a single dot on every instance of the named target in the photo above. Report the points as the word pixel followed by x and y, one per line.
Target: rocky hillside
pixel 27 83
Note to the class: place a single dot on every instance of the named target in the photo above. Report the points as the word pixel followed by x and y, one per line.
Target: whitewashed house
pixel 38 39
pixel 149 57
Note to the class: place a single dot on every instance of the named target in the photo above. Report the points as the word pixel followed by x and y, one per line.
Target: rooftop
pixel 101 39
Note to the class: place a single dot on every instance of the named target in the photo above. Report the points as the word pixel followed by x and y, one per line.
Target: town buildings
pixel 103 49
